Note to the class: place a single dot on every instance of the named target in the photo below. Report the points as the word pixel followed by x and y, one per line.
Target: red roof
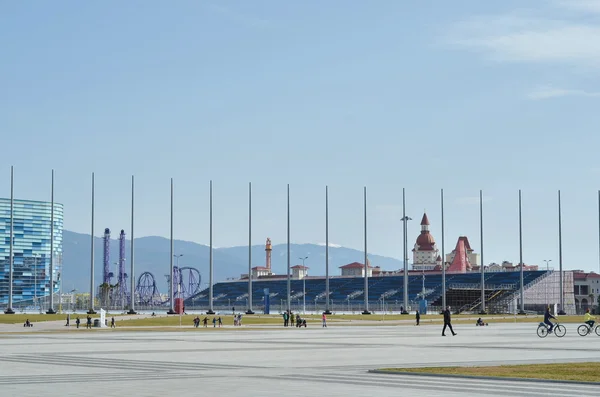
pixel 299 267
pixel 425 220
pixel 354 265
pixel 467 245
pixel 460 263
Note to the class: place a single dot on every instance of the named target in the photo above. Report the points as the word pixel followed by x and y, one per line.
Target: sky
pixel 420 95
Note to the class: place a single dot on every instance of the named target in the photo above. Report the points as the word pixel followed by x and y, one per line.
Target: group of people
pixel 215 321
pixel 290 319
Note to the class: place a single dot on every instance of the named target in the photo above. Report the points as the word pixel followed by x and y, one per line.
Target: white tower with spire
pixel 426 255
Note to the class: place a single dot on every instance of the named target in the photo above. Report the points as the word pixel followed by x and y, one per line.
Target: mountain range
pixel 152 254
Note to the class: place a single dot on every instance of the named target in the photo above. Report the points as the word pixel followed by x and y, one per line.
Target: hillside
pixel 152 254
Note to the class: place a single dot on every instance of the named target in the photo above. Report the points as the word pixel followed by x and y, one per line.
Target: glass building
pixel 31 251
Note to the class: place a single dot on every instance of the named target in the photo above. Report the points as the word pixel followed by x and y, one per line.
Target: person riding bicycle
pixel 589 319
pixel 547 317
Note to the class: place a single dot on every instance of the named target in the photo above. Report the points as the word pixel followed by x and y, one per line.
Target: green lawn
pixel 583 372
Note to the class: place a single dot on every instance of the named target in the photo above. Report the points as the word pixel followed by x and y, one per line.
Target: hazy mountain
pixel 152 254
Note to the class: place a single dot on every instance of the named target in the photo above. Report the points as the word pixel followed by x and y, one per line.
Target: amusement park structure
pixel 122 277
pixel 107 276
pixel 186 281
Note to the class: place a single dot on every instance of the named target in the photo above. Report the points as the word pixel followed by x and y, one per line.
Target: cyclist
pixel 547 317
pixel 589 319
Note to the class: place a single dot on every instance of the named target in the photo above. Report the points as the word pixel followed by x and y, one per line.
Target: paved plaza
pixel 281 362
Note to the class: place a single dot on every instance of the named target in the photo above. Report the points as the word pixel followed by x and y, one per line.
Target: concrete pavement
pixel 290 362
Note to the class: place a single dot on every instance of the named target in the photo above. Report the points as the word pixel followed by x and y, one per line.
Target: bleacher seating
pixel 233 293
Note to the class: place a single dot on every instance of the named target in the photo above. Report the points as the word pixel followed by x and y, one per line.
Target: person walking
pixel 418 318
pixel 447 322
pixel 324 321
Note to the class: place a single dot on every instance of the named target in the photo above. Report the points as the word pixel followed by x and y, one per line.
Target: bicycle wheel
pixel 583 330
pixel 598 330
pixel 560 330
pixel 542 331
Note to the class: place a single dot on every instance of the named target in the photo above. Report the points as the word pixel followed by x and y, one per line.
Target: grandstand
pixel 463 292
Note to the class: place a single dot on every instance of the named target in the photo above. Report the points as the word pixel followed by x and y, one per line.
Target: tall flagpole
pixel 327 308
pixel 171 278
pixel 405 253
pixel 366 292
pixel 51 308
pixel 443 257
pixel 91 308
pixel 288 249
pixel 522 311
pixel 482 266
pixel 249 311
pixel 210 255
pixel 132 273
pixel 560 263
pixel 9 309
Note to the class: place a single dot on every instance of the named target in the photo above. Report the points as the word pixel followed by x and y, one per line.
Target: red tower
pixel 268 250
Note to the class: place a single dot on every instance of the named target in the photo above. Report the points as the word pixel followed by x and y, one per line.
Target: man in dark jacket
pixel 547 317
pixel 447 322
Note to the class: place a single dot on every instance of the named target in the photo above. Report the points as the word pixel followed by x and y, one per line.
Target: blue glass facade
pixel 31 250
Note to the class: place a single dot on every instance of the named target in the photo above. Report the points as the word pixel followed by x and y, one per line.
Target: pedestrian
pixel 324 321
pixel 447 322
pixel 112 322
pixel 77 321
pixel 418 317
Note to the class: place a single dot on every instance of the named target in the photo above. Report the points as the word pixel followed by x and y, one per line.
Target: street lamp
pixel 405 219
pixel 304 285
pixel 177 264
pixel 546 283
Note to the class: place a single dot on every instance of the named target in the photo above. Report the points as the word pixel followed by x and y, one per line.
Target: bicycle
pixel 559 330
pixel 585 329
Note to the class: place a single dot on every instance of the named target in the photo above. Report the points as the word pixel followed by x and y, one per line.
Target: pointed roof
pixel 460 263
pixel 425 220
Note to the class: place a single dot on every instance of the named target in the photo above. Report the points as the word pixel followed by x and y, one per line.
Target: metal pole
pixel 91 304
pixel 521 257
pixel 249 311
pixel 210 254
pixel 366 292
pixel 482 269
pixel 171 290
pixel 9 309
pixel 443 257
pixel 405 253
pixel 288 248
pixel 560 264
pixel 51 308
pixel 546 283
pixel 599 229
pixel 327 309
pixel 132 275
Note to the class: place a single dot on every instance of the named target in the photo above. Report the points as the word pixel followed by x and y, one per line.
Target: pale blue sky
pixel 464 95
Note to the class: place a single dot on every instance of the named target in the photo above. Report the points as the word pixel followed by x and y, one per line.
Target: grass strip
pixel 574 372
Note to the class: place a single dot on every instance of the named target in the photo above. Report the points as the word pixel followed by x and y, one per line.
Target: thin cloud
pixel 526 37
pixel 579 5
pixel 547 92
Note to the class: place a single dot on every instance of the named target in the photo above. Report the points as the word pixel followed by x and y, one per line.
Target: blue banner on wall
pixel 267 301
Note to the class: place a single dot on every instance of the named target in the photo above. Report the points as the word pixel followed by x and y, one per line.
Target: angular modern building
pixel 31 250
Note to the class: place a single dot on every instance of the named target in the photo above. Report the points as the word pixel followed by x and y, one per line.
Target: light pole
pixel 303 285
pixel 179 282
pixel 546 283
pixel 405 219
